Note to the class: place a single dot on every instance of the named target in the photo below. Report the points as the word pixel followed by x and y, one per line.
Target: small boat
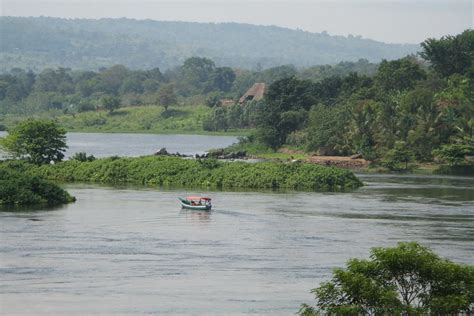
pixel 196 203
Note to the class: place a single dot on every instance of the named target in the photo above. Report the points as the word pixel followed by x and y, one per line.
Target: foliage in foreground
pixel 405 280
pixel 38 141
pixel 175 171
pixel 17 189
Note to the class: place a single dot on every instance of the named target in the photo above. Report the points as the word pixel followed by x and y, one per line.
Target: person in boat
pixel 194 202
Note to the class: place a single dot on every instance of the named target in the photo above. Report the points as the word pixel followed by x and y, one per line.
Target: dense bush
pixel 19 189
pixel 181 172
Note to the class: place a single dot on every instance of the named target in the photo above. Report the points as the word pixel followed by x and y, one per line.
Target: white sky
pixel 394 21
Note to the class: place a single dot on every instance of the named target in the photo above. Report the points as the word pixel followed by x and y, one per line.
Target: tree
pixel 397 156
pixel 38 141
pixel 166 96
pixel 221 79
pixel 409 279
pixel 450 54
pixel 110 103
pixel 398 75
pixel 285 110
pixel 327 129
pixel 194 75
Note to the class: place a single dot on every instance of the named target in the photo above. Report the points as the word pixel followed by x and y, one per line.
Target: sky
pixel 391 21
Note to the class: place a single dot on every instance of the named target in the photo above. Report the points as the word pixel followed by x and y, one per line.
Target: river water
pixel 134 145
pixel 132 250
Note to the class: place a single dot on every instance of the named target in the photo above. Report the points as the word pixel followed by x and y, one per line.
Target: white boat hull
pixel 196 207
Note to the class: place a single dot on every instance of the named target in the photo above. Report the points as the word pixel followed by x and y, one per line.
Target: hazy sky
pixel 399 21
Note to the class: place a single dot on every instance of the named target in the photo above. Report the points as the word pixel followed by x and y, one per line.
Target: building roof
pixel 255 93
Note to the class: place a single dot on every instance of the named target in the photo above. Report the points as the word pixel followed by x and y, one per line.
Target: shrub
pixel 82 156
pixel 454 154
pixel 398 157
pixel 17 189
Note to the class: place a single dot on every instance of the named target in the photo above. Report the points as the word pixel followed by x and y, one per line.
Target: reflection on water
pixel 134 251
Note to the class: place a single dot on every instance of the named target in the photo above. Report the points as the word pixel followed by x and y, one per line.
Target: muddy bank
pixel 341 162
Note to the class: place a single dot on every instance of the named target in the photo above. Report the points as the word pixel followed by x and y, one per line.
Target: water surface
pixel 134 145
pixel 132 250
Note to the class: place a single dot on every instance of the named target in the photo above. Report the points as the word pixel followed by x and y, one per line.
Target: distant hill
pixel 40 42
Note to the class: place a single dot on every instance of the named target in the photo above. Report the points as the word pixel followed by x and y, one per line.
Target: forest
pixel 404 112
pixel 40 42
pixel 197 81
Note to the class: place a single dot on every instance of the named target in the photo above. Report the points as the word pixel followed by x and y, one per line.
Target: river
pixel 134 145
pixel 132 250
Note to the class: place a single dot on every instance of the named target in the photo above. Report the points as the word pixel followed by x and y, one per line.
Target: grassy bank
pixel 137 119
pixel 143 119
pixel 19 189
pixel 194 173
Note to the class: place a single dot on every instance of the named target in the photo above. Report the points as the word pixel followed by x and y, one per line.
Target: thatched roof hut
pixel 255 93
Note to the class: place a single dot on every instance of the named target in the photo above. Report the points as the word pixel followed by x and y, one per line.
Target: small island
pixel 208 173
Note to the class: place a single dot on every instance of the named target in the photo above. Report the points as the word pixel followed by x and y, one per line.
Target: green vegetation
pixel 83 157
pixel 110 103
pixel 19 189
pixel 38 141
pixel 166 96
pixel 454 154
pixel 405 280
pixel 174 171
pixel 395 114
pixel 144 119
pixel 41 42
pixel 404 113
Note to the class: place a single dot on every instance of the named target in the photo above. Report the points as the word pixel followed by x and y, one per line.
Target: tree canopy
pixel 41 42
pixel 408 279
pixel 450 54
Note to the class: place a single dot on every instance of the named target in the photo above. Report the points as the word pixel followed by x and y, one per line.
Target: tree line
pixel 198 80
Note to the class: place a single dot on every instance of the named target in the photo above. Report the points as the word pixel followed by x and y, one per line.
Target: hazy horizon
pixel 399 21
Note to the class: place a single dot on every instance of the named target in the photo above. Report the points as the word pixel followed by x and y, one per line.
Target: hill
pixel 41 42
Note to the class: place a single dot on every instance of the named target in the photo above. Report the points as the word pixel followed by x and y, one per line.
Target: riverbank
pixel 137 119
pixel 174 171
pixel 354 163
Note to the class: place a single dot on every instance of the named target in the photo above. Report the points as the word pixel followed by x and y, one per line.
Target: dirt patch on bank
pixel 337 161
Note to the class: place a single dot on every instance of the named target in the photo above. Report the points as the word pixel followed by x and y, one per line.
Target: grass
pixel 143 119
pixel 138 119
